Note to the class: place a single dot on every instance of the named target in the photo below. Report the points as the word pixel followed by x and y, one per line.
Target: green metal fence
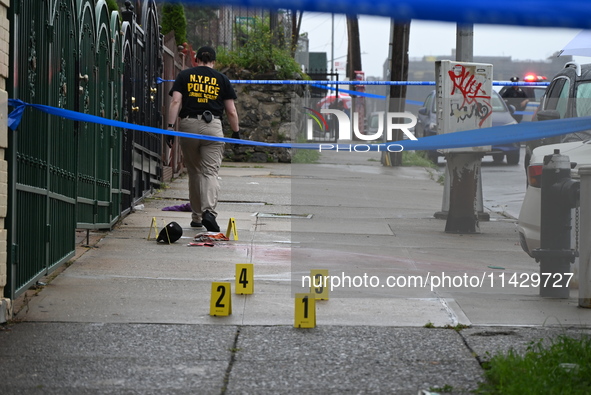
pixel 43 151
pixel 94 161
pixel 67 175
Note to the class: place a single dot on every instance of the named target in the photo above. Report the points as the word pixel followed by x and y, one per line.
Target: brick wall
pixel 5 305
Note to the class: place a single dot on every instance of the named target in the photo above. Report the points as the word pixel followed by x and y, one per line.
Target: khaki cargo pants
pixel 203 159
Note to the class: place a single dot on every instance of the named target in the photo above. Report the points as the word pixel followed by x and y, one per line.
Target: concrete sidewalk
pixel 131 315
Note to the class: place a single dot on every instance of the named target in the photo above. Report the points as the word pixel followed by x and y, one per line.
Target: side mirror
pixel 423 111
pixel 547 115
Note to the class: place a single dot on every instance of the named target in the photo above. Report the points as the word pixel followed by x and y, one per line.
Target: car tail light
pixel 534 176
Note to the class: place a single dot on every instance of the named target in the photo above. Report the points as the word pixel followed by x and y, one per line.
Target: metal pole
pixel 465 42
pixel 463 173
pixel 332 47
pixel 584 237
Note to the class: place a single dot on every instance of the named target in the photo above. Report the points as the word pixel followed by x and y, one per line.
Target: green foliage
pixel 173 19
pixel 416 158
pixel 112 6
pixel 563 367
pixel 258 51
pixel 446 389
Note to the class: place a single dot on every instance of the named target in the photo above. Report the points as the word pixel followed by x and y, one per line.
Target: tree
pixel 398 72
pixel 255 51
pixel 173 19
pixel 202 25
pixel 296 23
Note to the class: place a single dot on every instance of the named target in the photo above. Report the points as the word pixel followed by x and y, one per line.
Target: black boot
pixel 208 220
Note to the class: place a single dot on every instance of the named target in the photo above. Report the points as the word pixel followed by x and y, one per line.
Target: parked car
pixel 567 96
pixel 373 124
pixel 528 225
pixel 534 94
pixel 501 115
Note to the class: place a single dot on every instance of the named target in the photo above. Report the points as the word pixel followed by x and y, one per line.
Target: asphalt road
pixel 503 186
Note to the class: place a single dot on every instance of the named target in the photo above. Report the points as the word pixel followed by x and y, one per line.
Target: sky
pixel 432 38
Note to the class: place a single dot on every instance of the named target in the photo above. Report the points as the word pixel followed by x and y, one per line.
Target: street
pixel 503 186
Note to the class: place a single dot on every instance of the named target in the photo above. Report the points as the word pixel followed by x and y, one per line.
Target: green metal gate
pixel 94 160
pixel 116 93
pixel 143 63
pixel 43 150
pixel 66 175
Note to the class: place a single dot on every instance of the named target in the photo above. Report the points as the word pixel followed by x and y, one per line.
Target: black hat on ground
pixel 170 233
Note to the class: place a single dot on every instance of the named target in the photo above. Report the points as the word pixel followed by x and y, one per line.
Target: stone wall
pixel 265 115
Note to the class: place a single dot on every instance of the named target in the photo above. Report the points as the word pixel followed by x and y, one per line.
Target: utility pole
pixel 354 59
pixel 399 40
pixel 332 71
pixel 296 23
pixel 462 200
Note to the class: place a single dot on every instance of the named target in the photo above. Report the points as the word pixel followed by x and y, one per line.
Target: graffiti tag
pixel 476 102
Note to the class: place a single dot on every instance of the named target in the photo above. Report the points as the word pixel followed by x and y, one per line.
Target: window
pixel 429 103
pixel 497 103
pixel 583 103
pixel 557 98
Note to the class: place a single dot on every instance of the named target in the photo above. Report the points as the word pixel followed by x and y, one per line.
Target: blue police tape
pixel 352 93
pixel 317 82
pixel 14 119
pixel 324 82
pixel 563 13
pixel 496 135
pixel 499 135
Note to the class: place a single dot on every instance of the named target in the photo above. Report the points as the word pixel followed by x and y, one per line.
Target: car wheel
pixel 498 158
pixel 419 131
pixel 513 158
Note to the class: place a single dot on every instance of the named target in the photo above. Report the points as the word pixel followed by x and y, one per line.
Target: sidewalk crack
pixel 474 354
pixel 233 351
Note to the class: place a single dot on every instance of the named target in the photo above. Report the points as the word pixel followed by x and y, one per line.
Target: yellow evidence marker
pixel 153 225
pixel 221 299
pixel 244 278
pixel 305 311
pixel 232 229
pixel 318 286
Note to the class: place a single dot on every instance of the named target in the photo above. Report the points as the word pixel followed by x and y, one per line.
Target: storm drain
pixel 278 215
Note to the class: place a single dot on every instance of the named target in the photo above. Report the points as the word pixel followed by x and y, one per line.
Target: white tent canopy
pixel 578 46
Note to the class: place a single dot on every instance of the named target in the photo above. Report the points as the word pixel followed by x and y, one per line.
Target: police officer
pixel 199 97
pixel 516 97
